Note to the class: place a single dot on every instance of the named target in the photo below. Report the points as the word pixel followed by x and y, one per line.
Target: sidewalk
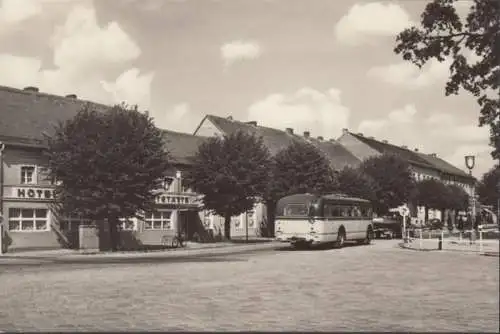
pixel 191 249
pixel 488 247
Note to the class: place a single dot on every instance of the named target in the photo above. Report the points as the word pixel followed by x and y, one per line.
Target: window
pixel 158 220
pixel 128 224
pixel 355 211
pixel 366 212
pixel 167 182
pixel 251 218
pixel 295 210
pixel 28 219
pixel 72 223
pixel 28 175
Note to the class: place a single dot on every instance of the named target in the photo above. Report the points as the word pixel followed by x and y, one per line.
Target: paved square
pixel 377 287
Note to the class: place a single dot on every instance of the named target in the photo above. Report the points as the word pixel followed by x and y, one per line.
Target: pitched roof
pixel 181 146
pixel 413 157
pixel 26 115
pixel 276 140
pixel 337 154
pixel 443 165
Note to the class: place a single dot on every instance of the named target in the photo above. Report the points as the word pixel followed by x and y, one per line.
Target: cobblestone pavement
pixel 377 287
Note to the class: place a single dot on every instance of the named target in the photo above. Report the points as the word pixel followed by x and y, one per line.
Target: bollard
pixel 440 242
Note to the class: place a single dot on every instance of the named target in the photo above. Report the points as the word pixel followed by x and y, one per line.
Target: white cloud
pixel 321 113
pixel 131 87
pixel 83 53
pixel 14 11
pixel 438 133
pixel 365 21
pixel 405 74
pixel 179 117
pixel 239 50
pixel 404 115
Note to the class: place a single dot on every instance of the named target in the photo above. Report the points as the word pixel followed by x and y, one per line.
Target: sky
pixel 312 65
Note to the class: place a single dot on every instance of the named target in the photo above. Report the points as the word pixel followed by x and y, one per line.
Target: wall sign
pixel 33 193
pixel 166 199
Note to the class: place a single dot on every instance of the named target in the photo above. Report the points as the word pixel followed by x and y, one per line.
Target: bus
pixel 307 219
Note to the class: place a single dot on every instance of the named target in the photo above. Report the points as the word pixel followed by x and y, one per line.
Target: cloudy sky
pixel 316 65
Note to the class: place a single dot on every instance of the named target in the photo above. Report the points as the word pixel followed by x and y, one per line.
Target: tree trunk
pixel 227 227
pixel 114 236
pixel 426 217
pixel 271 216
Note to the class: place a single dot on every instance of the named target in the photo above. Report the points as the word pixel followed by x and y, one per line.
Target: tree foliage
pixel 299 168
pixel 443 34
pixel 392 179
pixel 458 198
pixel 432 194
pixel 108 163
pixel 353 182
pixel 231 172
pixel 489 187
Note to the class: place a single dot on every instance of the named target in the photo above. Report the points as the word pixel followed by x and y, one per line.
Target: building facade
pixel 423 166
pixel 27 194
pixel 275 140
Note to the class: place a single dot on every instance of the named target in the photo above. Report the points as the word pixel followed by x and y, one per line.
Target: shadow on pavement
pixel 321 247
pixel 98 262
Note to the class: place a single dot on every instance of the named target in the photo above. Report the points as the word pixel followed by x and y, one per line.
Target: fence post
pixel 441 238
pixel 480 229
pixel 420 239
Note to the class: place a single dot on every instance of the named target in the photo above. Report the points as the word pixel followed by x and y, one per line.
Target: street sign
pixel 403 210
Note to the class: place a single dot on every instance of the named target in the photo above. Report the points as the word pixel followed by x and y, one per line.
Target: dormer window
pixel 167 182
pixel 28 175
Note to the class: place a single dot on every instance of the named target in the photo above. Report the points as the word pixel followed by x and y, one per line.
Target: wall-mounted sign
pixel 33 193
pixel 170 199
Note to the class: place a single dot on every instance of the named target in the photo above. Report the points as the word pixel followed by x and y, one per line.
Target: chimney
pixel 71 96
pixel 306 134
pixel 384 141
pixel 254 123
pixel 345 130
pixel 405 147
pixel 289 131
pixel 31 89
pixel 360 134
pixel 416 150
pixel 320 138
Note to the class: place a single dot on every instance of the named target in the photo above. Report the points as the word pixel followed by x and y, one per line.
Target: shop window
pixel 28 219
pixel 28 175
pixel 158 220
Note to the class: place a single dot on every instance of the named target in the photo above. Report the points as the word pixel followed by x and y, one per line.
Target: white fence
pixel 471 240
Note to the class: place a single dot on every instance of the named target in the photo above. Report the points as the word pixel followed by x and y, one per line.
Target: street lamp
pixel 178 176
pixel 470 162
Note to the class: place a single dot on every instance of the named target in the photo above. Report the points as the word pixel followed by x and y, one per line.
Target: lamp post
pixel 178 176
pixel 470 162
pixel 2 147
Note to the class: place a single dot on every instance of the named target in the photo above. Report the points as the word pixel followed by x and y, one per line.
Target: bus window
pixel 295 210
pixel 329 210
pixel 337 211
pixel 345 211
pixel 366 211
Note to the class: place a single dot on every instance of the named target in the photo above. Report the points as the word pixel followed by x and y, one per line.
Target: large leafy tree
pixel 109 165
pixel 353 182
pixel 432 194
pixel 231 172
pixel 489 187
pixel 298 168
pixel 459 199
pixel 393 181
pixel 443 34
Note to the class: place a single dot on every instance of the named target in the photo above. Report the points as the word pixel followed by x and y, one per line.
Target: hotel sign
pixel 32 193
pixel 175 199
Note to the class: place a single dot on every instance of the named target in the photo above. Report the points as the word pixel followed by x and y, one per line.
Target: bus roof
pixel 305 197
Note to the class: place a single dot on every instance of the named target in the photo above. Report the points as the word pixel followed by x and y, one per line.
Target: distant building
pixel 424 166
pixel 275 140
